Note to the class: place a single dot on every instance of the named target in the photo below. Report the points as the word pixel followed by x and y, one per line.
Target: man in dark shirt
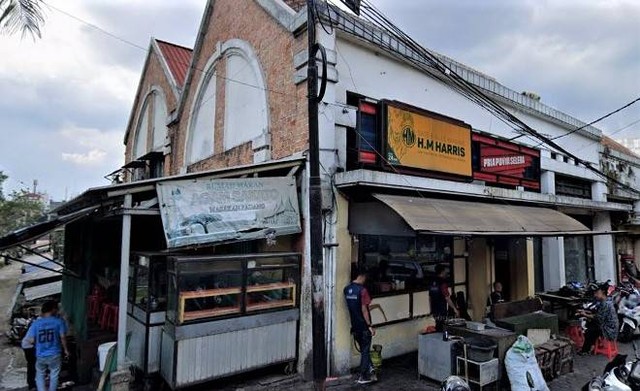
pixel 601 322
pixel 358 301
pixel 494 298
pixel 440 298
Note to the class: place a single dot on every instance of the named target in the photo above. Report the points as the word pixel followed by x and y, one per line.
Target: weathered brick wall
pixel 154 76
pixel 275 47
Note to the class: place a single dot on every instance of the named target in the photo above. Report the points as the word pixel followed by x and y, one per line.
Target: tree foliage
pixel 17 209
pixel 25 16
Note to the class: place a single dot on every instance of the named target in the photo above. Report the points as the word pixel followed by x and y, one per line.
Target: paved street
pixel 398 373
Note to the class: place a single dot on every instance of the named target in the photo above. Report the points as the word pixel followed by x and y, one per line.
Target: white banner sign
pixel 209 210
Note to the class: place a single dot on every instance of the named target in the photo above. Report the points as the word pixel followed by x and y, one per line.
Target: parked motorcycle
pixel 618 375
pixel 629 316
pixel 19 327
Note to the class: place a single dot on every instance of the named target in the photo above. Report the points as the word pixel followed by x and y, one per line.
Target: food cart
pixel 146 310
pixel 227 314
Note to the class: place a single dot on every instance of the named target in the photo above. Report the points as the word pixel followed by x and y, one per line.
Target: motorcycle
pixel 19 328
pixel 629 313
pixel 618 375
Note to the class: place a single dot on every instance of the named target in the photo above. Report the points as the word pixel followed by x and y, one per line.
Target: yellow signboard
pixel 427 142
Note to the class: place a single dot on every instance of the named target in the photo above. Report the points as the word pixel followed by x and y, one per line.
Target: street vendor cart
pixel 228 314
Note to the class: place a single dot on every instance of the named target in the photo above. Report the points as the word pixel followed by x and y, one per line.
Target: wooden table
pixel 537 320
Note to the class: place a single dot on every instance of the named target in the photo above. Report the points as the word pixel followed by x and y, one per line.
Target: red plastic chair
pixel 94 304
pixel 109 317
pixel 576 335
pixel 606 347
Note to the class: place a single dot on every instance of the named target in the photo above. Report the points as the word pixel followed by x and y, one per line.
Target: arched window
pixel 201 131
pixel 142 132
pixel 159 121
pixel 245 97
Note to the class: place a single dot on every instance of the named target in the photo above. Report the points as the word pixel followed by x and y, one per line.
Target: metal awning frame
pixel 520 234
pixel 29 250
pixel 64 272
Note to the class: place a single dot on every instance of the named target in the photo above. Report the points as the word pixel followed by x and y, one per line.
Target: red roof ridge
pixel 173 44
pixel 616 146
pixel 177 58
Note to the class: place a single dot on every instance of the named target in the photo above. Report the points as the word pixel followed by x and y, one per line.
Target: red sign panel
pixel 502 162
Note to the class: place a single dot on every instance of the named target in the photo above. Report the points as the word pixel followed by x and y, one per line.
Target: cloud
pixel 66 98
pixel 94 156
pixel 582 58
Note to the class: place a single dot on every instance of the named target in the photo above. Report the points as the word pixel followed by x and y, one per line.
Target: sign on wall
pixel 209 210
pixel 421 140
pixel 502 162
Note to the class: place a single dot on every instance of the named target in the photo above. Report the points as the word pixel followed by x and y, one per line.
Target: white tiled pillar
pixel 599 191
pixel 548 182
pixel 604 257
pixel 553 263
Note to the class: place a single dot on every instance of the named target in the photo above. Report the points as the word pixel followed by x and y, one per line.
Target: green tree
pixel 25 16
pixel 18 209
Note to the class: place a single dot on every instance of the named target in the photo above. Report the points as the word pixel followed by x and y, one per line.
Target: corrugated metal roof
pixel 178 59
pixel 40 291
pixel 616 146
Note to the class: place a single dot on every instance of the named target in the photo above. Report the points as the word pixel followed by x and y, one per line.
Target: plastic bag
pixel 520 360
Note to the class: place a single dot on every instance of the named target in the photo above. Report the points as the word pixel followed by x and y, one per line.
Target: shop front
pixel 400 233
pixel 195 277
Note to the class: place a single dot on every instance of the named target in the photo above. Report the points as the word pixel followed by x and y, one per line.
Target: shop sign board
pixel 502 162
pixel 418 139
pixel 210 210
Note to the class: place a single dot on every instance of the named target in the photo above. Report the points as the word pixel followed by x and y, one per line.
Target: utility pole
pixel 315 206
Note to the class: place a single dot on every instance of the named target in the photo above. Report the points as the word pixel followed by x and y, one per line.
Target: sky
pixel 65 99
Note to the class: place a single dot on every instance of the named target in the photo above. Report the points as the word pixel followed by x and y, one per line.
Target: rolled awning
pixel 482 219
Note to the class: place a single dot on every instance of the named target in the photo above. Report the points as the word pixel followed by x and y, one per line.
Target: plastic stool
pixel 576 335
pixel 109 317
pixel 606 347
pixel 94 304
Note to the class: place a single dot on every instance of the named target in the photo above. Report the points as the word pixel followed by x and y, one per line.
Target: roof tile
pixel 178 59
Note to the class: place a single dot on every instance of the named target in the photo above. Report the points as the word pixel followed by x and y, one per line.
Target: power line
pixel 467 89
pixel 592 122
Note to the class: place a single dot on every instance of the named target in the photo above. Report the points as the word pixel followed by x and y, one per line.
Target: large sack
pixel 520 359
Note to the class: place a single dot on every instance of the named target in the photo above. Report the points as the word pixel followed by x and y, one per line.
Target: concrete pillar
pixel 599 191
pixel 604 257
pixel 340 352
pixel 553 263
pixel 548 182
pixel 120 380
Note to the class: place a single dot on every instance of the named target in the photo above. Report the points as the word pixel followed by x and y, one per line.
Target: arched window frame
pixel 148 110
pixel 233 46
pixel 243 49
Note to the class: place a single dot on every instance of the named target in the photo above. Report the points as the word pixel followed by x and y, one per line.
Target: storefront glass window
pixel 578 258
pixel 401 264
pixel 148 283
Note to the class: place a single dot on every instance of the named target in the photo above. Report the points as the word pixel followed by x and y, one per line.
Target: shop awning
pixel 482 219
pixel 35 231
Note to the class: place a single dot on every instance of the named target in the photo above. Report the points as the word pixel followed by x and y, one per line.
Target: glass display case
pixel 146 309
pixel 148 282
pixel 209 288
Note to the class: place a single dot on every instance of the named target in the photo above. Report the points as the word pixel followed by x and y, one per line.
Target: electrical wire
pixel 468 89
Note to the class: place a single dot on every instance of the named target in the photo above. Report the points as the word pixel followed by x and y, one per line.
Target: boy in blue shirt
pixel 48 334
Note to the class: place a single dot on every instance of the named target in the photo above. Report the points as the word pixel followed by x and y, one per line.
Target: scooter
pixel 629 316
pixel 19 328
pixel 618 375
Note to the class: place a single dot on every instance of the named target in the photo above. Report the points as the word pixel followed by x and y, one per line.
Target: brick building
pixel 242 101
